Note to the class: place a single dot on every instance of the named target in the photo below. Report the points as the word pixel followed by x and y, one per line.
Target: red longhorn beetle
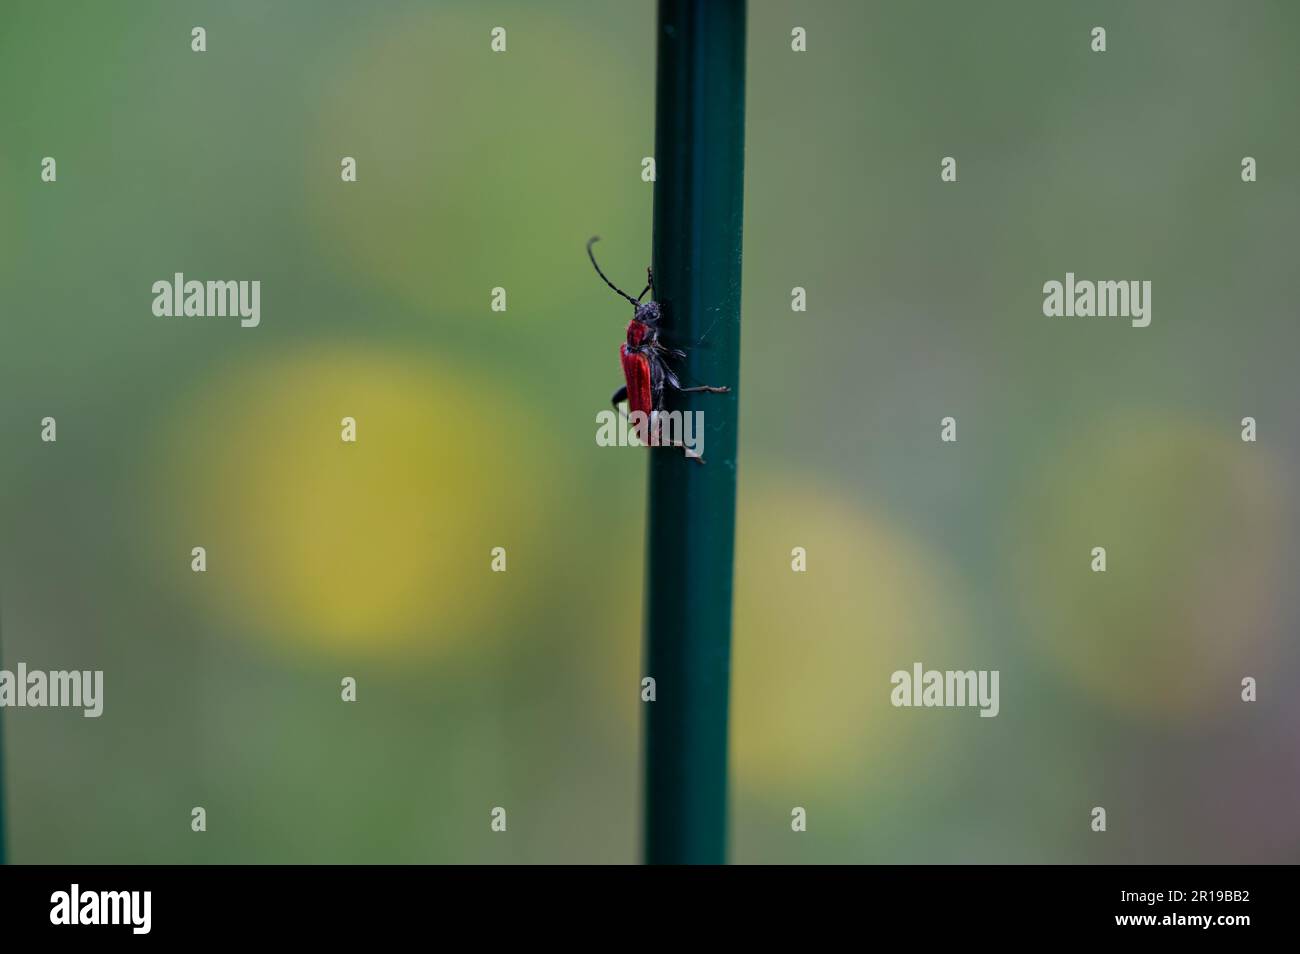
pixel 644 356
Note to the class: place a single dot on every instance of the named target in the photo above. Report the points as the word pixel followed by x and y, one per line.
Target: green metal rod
pixel 698 205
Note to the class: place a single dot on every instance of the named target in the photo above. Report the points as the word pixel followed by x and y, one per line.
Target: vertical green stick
pixel 698 204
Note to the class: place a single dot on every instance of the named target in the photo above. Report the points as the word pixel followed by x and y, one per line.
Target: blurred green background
pixel 476 429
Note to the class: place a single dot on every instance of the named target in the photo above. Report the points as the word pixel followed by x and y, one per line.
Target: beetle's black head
pixel 648 313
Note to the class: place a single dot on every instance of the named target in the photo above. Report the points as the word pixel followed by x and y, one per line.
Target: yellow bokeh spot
pixel 813 651
pixel 377 544
pixel 1191 521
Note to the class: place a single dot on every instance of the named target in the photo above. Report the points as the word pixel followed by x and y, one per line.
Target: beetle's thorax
pixel 640 335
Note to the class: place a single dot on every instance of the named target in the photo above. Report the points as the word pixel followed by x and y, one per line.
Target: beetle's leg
pixel 670 377
pixel 618 398
pixel 689 456
pixel 659 442
pixel 656 439
pixel 705 387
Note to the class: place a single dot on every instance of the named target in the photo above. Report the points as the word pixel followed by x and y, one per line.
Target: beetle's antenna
pixel 590 242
